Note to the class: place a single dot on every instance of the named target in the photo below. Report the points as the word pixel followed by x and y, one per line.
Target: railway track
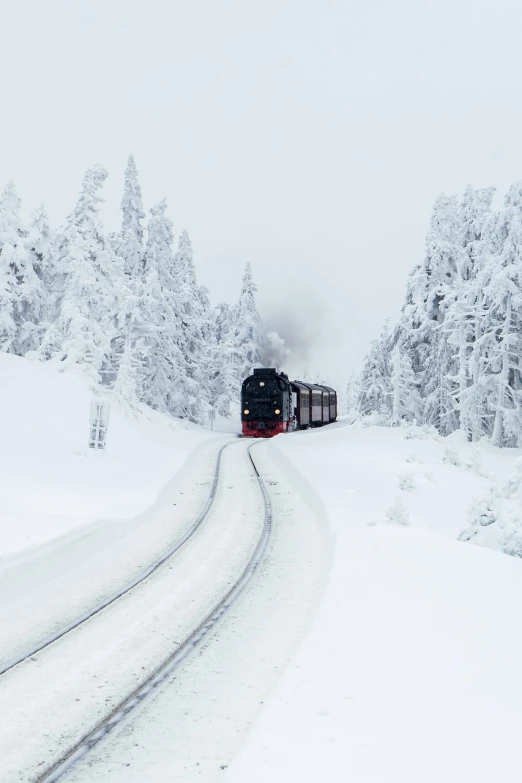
pixel 98 607
pixel 78 747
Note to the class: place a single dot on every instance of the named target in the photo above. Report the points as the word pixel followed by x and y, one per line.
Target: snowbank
pixel 410 670
pixel 50 481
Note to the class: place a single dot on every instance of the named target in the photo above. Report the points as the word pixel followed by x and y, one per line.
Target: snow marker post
pixel 212 416
pixel 98 424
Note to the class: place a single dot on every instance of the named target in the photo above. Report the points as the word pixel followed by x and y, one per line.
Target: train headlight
pixel 277 411
pixel 246 412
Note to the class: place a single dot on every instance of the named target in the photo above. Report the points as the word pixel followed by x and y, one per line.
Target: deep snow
pixel 407 667
pixel 410 671
pixel 51 482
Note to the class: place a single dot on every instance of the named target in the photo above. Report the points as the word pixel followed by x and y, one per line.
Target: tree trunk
pixel 496 437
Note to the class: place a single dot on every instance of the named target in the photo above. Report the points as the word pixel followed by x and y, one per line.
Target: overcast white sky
pixel 310 138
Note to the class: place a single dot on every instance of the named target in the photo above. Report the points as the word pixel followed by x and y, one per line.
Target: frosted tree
pixel 406 404
pixel 463 322
pixel 442 262
pixel 130 241
pixel 166 385
pixel 222 319
pixel 88 303
pixel 12 258
pixel 197 335
pixel 247 328
pixel 351 395
pixel 46 289
pixel 459 338
pixel 22 292
pixel 374 380
pixel 502 307
pixel 129 346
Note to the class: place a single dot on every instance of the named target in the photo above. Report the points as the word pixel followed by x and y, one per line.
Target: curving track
pixel 82 618
pixel 122 644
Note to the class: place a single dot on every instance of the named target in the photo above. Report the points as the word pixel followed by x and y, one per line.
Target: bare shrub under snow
pixel 496 519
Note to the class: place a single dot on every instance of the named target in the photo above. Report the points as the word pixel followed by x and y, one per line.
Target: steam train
pixel 270 404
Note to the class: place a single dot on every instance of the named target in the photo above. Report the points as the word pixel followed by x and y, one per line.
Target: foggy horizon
pixel 309 141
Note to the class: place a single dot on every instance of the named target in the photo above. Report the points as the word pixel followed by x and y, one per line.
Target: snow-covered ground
pixel 76 524
pixel 398 643
pixel 51 482
pixel 410 670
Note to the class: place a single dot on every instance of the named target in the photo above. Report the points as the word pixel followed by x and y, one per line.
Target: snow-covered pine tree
pixel 462 321
pixel 129 346
pixel 166 385
pixel 406 404
pixel 441 265
pixel 222 320
pixel 11 249
pixel 197 336
pixel 41 247
pixel 247 329
pixel 22 293
pixel 224 374
pixel 375 395
pixel 461 325
pixel 87 310
pixel 351 396
pixel 130 241
pixel 501 282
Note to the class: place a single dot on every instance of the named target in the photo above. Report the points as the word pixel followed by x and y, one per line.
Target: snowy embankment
pixel 77 524
pixel 410 670
pixel 51 482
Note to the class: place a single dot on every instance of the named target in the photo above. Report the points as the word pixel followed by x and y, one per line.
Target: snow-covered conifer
pixel 406 404
pixel 22 292
pixel 87 309
pixel 375 395
pixel 197 336
pixel 130 241
pixel 167 385
pixel 11 258
pixel 248 335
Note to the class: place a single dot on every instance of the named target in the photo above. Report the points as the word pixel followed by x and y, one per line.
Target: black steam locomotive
pixel 271 404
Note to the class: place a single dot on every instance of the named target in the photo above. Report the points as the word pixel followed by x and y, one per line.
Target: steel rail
pixel 65 629
pixel 168 666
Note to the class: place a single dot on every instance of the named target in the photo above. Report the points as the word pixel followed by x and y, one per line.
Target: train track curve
pixel 61 760
pixel 128 586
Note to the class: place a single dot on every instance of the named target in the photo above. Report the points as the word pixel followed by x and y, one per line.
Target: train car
pixel 271 404
pixel 266 404
pixel 332 404
pixel 326 406
pixel 301 396
pixel 315 403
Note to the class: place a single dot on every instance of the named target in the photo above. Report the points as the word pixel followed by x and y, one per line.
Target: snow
pixel 76 524
pixel 52 483
pixel 373 645
pixel 84 675
pixel 193 727
pixel 410 670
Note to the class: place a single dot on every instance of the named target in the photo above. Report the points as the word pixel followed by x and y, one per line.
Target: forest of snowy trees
pixel 126 307
pixel 454 359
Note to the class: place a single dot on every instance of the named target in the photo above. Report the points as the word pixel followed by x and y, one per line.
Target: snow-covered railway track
pixel 128 586
pixel 77 690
